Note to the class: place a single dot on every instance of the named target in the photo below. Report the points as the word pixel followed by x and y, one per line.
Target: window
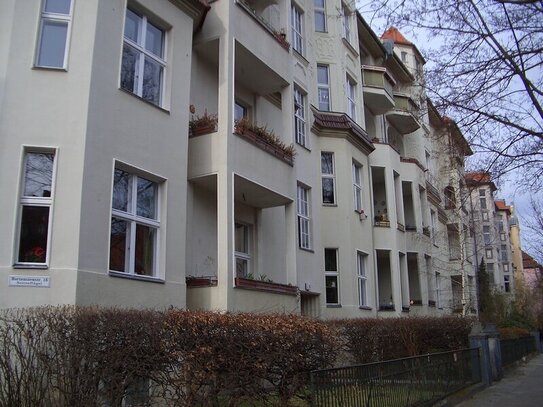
pixel 320 16
pixel 304 230
pixel 242 250
pixel 299 117
pixel 328 179
pixel 433 226
pixel 504 252
pixel 331 276
pixel 357 187
pixel 438 290
pixel 345 18
pixel 488 253
pixel 486 235
pixel 143 64
pixel 35 213
pixel 350 86
pixel 297 30
pixel 53 41
pixel 506 284
pixel 404 57
pixel 135 225
pixel 485 213
pixel 362 278
pixel 482 198
pixel 502 237
pixel 240 111
pixel 506 268
pixel 323 80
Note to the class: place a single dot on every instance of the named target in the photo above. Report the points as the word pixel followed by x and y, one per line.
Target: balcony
pixel 402 117
pixel 378 85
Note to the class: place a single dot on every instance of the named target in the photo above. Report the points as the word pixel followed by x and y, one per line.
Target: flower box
pixel 259 285
pixel 208 281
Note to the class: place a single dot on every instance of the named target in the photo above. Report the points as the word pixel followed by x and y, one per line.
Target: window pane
pixel 324 99
pixel 320 21
pixel 152 80
pixel 147 197
pixel 33 238
pixel 132 26
pixel 241 239
pixel 331 290
pixel 327 166
pixel 38 174
pixel 322 75
pixel 53 43
pixel 154 40
pixel 118 245
pixel 242 267
pixel 145 249
pixel 57 6
pixel 239 112
pixel 328 190
pixel 121 191
pixel 330 259
pixel 128 68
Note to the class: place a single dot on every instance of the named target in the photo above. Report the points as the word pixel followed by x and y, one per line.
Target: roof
pixel 528 262
pixel 395 35
pixel 502 206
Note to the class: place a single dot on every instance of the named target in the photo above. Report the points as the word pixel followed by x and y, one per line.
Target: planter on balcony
pixel 201 125
pixel 207 281
pixel 265 140
pixel 259 285
pixel 389 307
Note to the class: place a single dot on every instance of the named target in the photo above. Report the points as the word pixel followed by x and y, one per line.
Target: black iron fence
pixel 515 349
pixel 419 380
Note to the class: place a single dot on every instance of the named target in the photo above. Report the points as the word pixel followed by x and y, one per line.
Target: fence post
pixel 538 343
pixel 479 339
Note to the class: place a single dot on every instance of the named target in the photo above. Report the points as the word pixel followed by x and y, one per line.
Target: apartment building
pixel 116 202
pixel 495 230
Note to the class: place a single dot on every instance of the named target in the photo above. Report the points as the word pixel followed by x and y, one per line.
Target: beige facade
pixel 367 219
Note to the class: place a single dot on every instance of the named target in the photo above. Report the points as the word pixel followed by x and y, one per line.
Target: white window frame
pixel 57 18
pixel 143 53
pixel 362 278
pixel 297 27
pixel 324 88
pixel 29 201
pixel 133 219
pixel 485 215
pixel 486 235
pixel 244 256
pixel 350 90
pixel 329 176
pixel 304 217
pixel 320 11
pixel 300 125
pixel 357 186
pixel 488 253
pixel 346 22
pixel 333 274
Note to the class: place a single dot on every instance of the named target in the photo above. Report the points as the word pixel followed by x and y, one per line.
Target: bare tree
pixel 534 223
pixel 485 70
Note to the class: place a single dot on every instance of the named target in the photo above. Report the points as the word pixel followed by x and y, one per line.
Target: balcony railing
pixel 377 77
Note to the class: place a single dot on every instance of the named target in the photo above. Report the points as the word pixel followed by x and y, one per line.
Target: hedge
pixel 68 356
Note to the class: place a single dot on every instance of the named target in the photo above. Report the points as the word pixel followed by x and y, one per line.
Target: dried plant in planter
pixel 203 124
pixel 243 126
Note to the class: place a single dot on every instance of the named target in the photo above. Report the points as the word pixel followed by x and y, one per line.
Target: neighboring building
pixel 514 237
pixel 492 225
pixel 117 204
pixel 532 272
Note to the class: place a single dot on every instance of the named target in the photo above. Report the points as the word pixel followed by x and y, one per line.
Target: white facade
pixel 360 223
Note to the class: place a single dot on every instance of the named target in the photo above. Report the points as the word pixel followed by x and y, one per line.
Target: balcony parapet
pixel 403 116
pixel 267 286
pixel 378 88
pixel 203 281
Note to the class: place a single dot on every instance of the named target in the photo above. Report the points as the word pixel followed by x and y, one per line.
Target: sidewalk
pixel 521 386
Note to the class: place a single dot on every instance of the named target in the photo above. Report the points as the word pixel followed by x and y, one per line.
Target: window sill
pixel 349 46
pixel 365 307
pixel 145 101
pixel 330 205
pixel 304 147
pixel 21 266
pixel 49 68
pixel 306 250
pixel 333 306
pixel 136 277
pixel 300 57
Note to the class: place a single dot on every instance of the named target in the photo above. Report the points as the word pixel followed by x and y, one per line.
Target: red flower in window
pixel 35 255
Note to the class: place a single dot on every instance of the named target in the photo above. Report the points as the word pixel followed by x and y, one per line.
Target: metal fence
pixel 414 381
pixel 515 349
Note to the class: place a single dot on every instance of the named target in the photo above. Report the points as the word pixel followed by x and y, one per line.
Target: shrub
pixel 372 339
